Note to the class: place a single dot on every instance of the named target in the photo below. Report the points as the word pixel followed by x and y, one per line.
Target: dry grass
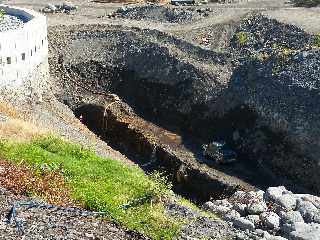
pixel 20 130
pixel 8 109
pixel 23 180
pixel 15 127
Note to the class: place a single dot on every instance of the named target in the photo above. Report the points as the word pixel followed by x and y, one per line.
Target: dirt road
pixel 93 13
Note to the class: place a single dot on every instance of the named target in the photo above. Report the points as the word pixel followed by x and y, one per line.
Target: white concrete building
pixel 24 51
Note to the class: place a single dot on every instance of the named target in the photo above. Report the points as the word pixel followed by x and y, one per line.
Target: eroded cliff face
pixel 261 94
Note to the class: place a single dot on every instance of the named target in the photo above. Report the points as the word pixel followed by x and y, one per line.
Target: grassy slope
pixel 99 183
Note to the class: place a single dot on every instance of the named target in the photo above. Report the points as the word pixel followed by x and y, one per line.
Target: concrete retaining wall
pixel 23 50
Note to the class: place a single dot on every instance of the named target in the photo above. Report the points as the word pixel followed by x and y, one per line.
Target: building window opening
pixel 23 56
pixel 8 60
pixel 31 53
pixel 42 42
pixel 35 49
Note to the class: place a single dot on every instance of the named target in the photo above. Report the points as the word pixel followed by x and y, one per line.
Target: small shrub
pixel 317 41
pixel 242 37
pixel 23 179
pixel 2 12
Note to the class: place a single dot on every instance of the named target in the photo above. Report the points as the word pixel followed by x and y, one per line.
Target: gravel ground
pixel 9 22
pixel 55 223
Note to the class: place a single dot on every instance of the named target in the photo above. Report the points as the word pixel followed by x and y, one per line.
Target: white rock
pixel 260 193
pixel 208 205
pixel 310 198
pixel 224 203
pixel 305 232
pixel 273 193
pixel 263 234
pixel 256 208
pixel 239 195
pixel 255 219
pixel 90 235
pixel 218 209
pixel 290 217
pixel 230 216
pixel 275 238
pixel 68 6
pixel 240 208
pixel 308 211
pixel 270 219
pixel 255 195
pixel 51 7
pixel 243 224
pixel 287 202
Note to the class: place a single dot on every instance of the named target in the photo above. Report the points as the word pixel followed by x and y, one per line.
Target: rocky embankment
pixel 275 214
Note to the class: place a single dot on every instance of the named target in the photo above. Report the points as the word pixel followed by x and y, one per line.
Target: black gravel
pixel 163 14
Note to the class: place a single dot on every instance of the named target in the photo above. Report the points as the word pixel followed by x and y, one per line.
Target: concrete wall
pixel 23 50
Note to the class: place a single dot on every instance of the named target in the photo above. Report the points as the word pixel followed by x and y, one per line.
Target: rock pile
pixel 258 32
pixel 162 13
pixel 274 214
pixel 9 22
pixel 65 7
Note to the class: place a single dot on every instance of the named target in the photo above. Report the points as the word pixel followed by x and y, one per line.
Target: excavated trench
pixel 154 148
pixel 176 96
pixel 178 155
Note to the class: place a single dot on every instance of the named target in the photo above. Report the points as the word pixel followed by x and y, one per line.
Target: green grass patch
pixel 128 196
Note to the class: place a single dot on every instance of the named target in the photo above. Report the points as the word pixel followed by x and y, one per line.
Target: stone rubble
pixel 274 214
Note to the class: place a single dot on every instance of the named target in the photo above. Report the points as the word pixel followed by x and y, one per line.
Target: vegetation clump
pixel 124 192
